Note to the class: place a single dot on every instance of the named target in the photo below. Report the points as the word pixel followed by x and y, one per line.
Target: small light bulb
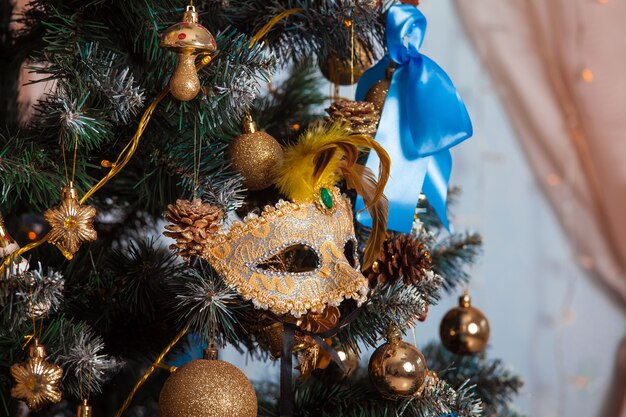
pixel 587 75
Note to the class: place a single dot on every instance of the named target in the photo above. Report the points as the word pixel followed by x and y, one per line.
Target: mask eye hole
pixel 349 250
pixel 293 259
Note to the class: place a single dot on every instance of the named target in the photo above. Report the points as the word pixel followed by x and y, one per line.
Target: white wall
pixel 548 321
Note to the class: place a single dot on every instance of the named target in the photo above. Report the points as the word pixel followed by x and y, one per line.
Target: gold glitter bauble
pixel 397 368
pixel 207 388
pixel 338 72
pixel 464 330
pixel 36 381
pixel 377 94
pixel 257 156
pixel 71 223
pixel 187 38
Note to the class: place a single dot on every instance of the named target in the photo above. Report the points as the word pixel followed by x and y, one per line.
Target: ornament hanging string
pixel 128 151
pixel 32 336
pixel 123 160
pixel 115 167
pixel 151 369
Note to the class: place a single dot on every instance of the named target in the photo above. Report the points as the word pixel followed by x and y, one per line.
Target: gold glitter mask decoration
pixel 294 257
pixel 299 256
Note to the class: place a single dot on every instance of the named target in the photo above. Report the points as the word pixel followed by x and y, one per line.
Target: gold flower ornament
pixel 36 381
pixel 71 223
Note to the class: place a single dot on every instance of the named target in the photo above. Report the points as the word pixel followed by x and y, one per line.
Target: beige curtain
pixel 560 68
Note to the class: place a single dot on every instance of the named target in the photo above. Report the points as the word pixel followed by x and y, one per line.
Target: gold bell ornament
pixel 187 39
pixel 36 381
pixel 397 368
pixel 464 330
pixel 377 94
pixel 71 223
pixel 207 388
pixel 16 264
pixel 84 409
pixel 257 156
pixel 7 244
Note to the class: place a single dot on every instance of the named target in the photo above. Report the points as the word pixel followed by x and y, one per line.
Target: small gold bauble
pixel 350 360
pixel 339 72
pixel 397 368
pixel 207 388
pixel 464 330
pixel 257 156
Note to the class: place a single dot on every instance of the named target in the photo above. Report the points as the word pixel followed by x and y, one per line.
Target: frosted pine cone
pixel 192 223
pixel 361 116
pixel 402 256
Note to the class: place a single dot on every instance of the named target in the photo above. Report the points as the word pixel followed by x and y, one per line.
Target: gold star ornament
pixel 71 223
pixel 36 381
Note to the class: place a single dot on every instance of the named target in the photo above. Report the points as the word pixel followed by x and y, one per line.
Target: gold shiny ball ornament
pixel 257 156
pixel 207 388
pixel 36 381
pixel 377 94
pixel 187 39
pixel 464 330
pixel 397 369
pixel 340 72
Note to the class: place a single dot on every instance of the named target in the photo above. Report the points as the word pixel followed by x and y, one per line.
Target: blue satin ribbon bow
pixel 422 119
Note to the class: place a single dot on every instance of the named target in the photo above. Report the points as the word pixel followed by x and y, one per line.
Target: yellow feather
pixel 321 158
pixel 296 179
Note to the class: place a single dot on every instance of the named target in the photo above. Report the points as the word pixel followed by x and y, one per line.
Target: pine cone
pixel 193 222
pixel 403 257
pixel 361 116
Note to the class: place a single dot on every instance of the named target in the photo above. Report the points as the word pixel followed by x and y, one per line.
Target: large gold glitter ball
pixel 207 388
pixel 341 72
pixel 257 156
pixel 397 369
pixel 464 330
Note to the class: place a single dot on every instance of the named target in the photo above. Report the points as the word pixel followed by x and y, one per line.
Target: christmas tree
pixel 149 120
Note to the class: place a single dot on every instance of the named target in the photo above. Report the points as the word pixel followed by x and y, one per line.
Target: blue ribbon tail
pixel 423 117
pixel 436 182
